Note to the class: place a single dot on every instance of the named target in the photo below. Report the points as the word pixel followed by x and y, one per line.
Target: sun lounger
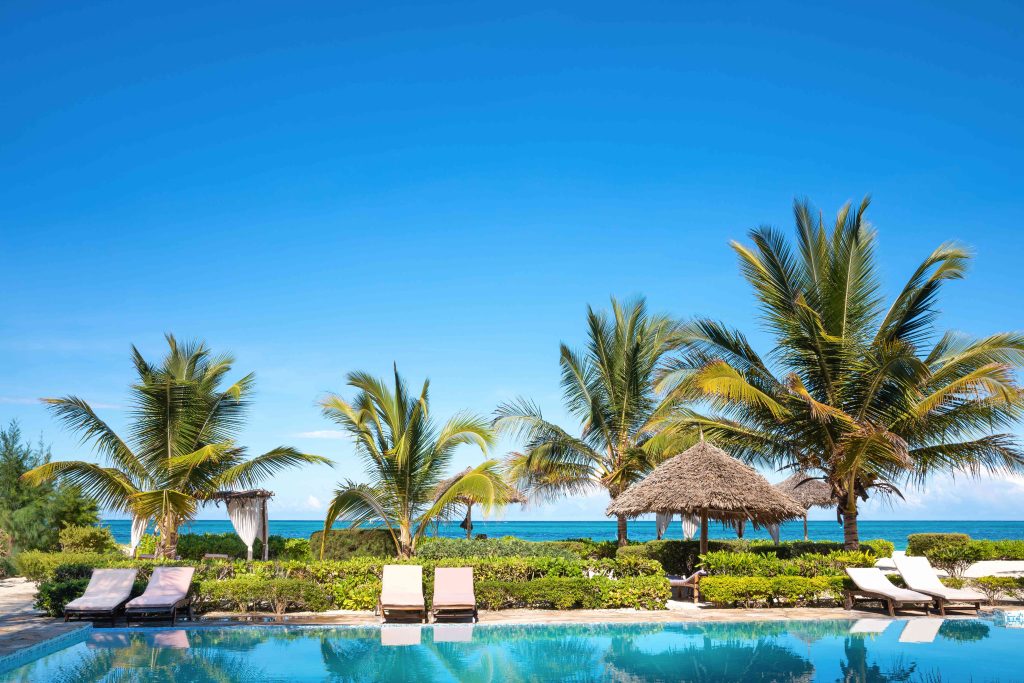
pixel 678 584
pixel 921 630
pixel 401 592
pixel 871 585
pixel 920 577
pixel 166 594
pixel 392 635
pixel 453 593
pixel 105 596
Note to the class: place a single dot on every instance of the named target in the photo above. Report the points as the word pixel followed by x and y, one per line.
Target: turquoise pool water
pixel 874 650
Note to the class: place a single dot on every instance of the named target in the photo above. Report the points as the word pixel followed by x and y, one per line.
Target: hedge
pixel 754 564
pixel 997 586
pixel 194 546
pixel 920 544
pixel 87 539
pixel 508 546
pixel 343 544
pixel 754 591
pixel 643 592
pixel 355 584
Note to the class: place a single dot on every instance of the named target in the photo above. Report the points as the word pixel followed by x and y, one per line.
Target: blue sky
pixel 327 187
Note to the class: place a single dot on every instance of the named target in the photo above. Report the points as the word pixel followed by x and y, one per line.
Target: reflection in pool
pixel 870 650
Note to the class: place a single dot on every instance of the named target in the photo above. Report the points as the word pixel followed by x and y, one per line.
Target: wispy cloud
pixel 18 400
pixel 313 503
pixel 321 434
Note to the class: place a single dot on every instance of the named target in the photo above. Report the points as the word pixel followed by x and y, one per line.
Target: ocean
pixel 604 530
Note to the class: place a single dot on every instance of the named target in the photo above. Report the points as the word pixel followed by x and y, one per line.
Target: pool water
pixel 927 650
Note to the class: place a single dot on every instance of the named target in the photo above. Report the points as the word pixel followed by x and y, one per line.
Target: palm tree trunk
pixel 168 546
pixel 851 538
pixel 621 531
pixel 405 549
pixel 469 522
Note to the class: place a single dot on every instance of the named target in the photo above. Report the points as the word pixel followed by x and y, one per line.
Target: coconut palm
pixel 860 394
pixel 609 388
pixel 180 446
pixel 406 456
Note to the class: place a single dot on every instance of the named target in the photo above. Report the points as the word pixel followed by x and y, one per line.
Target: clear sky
pixel 323 187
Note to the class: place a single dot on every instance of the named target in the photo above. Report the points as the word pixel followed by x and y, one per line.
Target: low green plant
pixel 648 592
pixel 87 539
pixel 995 587
pixel 342 544
pixel 879 547
pixel 920 544
pixel 955 558
pixel 507 546
pixel 756 591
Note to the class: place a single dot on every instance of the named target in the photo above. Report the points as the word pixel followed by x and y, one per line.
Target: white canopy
pixel 139 525
pixel 689 527
pixel 246 515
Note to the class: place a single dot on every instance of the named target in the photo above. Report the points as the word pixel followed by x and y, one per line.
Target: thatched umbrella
pixel 808 492
pixel 707 482
pixel 514 496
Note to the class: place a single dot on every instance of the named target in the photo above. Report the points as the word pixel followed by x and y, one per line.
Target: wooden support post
pixel 265 529
pixel 703 532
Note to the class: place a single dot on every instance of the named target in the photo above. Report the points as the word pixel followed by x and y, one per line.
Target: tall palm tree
pixel 406 456
pixel 180 447
pixel 609 388
pixel 858 393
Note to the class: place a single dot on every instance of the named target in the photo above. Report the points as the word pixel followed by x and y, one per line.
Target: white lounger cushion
pixel 871 580
pixel 107 589
pixel 167 586
pixel 919 575
pixel 402 586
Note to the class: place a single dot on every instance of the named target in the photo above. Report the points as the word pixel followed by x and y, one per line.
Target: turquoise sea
pixel 895 530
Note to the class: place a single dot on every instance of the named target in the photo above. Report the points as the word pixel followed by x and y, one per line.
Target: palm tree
pixel 609 387
pixel 857 393
pixel 406 456
pixel 180 447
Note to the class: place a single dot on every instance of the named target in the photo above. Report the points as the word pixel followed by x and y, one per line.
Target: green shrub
pixel 648 592
pixel 676 557
pixel 995 587
pixel 508 546
pixel 753 591
pixel 54 595
pixel 955 558
pixel 36 565
pixel 254 593
pixel 1002 550
pixel 920 544
pixel 342 544
pixel 879 547
pixel 87 539
pixel 292 549
pixel 723 562
pixel 589 549
pixel 767 565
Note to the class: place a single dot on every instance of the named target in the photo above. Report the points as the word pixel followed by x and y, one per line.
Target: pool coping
pixel 35 651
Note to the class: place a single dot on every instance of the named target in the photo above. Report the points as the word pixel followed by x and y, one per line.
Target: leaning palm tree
pixel 180 447
pixel 406 456
pixel 866 397
pixel 609 388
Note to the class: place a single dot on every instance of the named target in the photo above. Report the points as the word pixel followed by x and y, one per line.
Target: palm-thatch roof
pixel 706 481
pixel 807 491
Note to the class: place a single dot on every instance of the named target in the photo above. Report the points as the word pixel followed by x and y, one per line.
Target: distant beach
pixel 604 530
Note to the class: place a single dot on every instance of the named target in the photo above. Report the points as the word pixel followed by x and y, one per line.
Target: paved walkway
pixel 21 625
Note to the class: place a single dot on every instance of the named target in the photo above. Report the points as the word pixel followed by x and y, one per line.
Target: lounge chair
pixel 166 594
pixel 921 630
pixel 453 593
pixel 105 596
pixel 871 585
pixel 920 577
pixel 679 584
pixel 401 592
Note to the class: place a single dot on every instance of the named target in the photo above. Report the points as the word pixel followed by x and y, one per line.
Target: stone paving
pixel 21 625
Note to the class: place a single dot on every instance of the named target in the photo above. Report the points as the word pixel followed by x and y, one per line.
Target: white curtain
pixel 245 514
pixel 139 525
pixel 773 531
pixel 689 526
pixel 661 522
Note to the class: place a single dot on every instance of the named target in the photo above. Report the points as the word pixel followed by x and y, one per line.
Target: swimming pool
pixel 867 650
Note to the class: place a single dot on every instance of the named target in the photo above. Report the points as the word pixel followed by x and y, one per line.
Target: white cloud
pixel 313 503
pixel 322 434
pixel 18 400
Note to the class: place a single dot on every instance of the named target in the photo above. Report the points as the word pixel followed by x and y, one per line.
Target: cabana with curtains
pixel 247 511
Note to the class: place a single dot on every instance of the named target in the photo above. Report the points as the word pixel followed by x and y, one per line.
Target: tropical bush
pixel 253 593
pixel 769 565
pixel 955 558
pixel 756 591
pixel 342 544
pixel 645 592
pixel 879 546
pixel 508 546
pixel 87 539
pixel 995 587
pixel 920 544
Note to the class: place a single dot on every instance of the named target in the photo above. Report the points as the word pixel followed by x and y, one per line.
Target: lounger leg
pixel 848 600
pixel 942 607
pixel 892 607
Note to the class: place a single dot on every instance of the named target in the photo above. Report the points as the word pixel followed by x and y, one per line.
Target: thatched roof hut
pixel 807 491
pixel 514 496
pixel 706 482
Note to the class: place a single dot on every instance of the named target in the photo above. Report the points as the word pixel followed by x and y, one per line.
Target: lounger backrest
pixel 870 579
pixel 110 584
pixel 453 581
pixel 918 573
pixel 401 579
pixel 170 581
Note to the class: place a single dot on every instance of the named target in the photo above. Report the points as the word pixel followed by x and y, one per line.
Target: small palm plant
pixel 609 388
pixel 406 456
pixel 180 447
pixel 867 397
